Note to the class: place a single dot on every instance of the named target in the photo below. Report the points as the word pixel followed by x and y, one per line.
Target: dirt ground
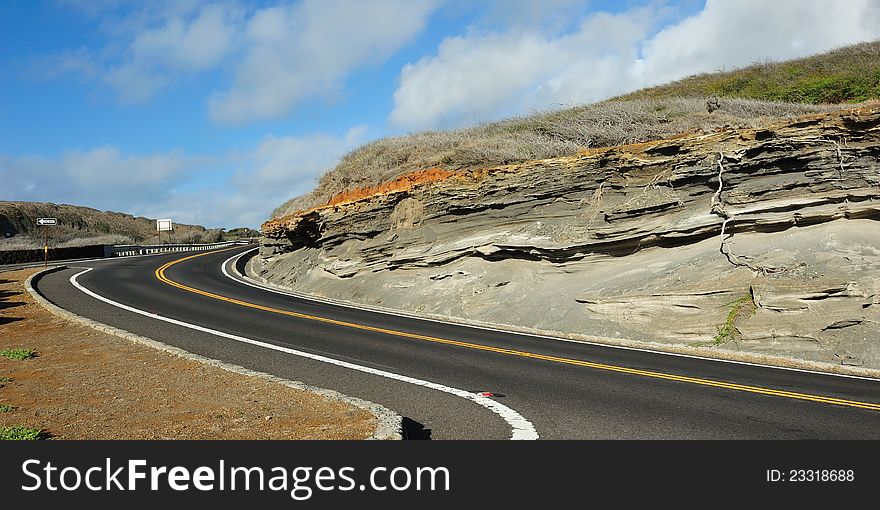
pixel 85 384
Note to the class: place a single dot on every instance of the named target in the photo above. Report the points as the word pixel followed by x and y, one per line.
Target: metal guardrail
pixel 131 250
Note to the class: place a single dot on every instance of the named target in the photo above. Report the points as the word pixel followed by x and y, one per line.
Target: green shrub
pixel 18 353
pixel 19 433
pixel 744 306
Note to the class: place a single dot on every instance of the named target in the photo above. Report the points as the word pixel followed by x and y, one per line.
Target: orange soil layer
pixel 403 183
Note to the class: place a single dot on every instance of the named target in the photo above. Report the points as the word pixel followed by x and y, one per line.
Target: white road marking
pixel 353 306
pixel 521 428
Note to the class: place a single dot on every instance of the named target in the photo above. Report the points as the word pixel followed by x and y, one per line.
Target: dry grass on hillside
pixel 768 90
pixel 539 136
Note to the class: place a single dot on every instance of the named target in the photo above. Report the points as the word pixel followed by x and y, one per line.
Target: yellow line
pixel 160 274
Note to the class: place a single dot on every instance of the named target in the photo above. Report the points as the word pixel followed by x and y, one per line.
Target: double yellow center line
pixel 160 274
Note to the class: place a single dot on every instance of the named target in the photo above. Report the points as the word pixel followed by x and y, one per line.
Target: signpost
pixel 163 226
pixel 46 222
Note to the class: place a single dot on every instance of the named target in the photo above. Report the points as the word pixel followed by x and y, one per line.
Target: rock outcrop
pixel 763 240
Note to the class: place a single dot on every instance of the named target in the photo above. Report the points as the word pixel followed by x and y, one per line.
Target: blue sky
pixel 216 112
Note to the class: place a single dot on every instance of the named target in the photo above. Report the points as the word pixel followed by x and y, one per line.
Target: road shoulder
pixel 91 381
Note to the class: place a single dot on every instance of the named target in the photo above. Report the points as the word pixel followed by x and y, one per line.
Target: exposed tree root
pixel 717 208
pixel 839 153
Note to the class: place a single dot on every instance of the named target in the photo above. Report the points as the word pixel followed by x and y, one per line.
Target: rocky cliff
pixel 763 240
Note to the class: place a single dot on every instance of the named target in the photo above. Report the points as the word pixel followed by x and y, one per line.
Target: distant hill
pixel 84 225
pixel 846 75
pixel 240 233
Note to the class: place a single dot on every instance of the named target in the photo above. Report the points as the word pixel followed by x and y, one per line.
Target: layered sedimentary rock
pixel 763 240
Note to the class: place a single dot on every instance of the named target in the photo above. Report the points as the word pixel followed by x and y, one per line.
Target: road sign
pixel 45 222
pixel 164 225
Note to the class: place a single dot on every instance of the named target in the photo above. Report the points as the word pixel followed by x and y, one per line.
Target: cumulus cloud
pixel 184 43
pixel 479 76
pixel 296 51
pixel 277 55
pixel 174 184
pixel 291 164
pixel 278 168
pixel 734 34
pixel 486 75
pixel 196 44
pixel 275 170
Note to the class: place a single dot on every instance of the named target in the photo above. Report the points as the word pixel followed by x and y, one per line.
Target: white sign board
pixel 47 221
pixel 164 225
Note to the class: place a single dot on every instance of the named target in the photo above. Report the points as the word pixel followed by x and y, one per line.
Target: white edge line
pixel 389 423
pixel 521 428
pixel 247 281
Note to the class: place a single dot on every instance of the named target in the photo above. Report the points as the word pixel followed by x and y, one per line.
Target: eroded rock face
pixel 627 242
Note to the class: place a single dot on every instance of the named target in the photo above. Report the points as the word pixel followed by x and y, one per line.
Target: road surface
pixel 429 371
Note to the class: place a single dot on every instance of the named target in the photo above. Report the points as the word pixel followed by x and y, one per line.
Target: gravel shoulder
pixel 86 384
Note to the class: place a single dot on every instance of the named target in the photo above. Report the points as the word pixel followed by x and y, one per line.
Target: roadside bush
pixel 194 237
pixel 18 433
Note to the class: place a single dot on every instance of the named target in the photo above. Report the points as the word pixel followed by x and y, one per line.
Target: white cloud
pixel 183 43
pixel 277 56
pixel 275 170
pixel 268 175
pixel 127 18
pixel 174 185
pixel 468 80
pixel 733 34
pixel 103 177
pixel 196 44
pixel 290 165
pixel 136 84
pixel 481 76
pixel 297 51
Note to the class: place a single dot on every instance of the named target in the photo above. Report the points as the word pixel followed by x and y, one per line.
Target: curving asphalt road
pixel 565 390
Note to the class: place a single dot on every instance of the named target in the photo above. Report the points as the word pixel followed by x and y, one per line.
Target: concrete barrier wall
pixel 102 250
pixel 25 256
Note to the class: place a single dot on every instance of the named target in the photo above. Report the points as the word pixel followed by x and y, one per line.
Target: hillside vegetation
pixel 79 226
pixel 846 75
pixel 750 96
